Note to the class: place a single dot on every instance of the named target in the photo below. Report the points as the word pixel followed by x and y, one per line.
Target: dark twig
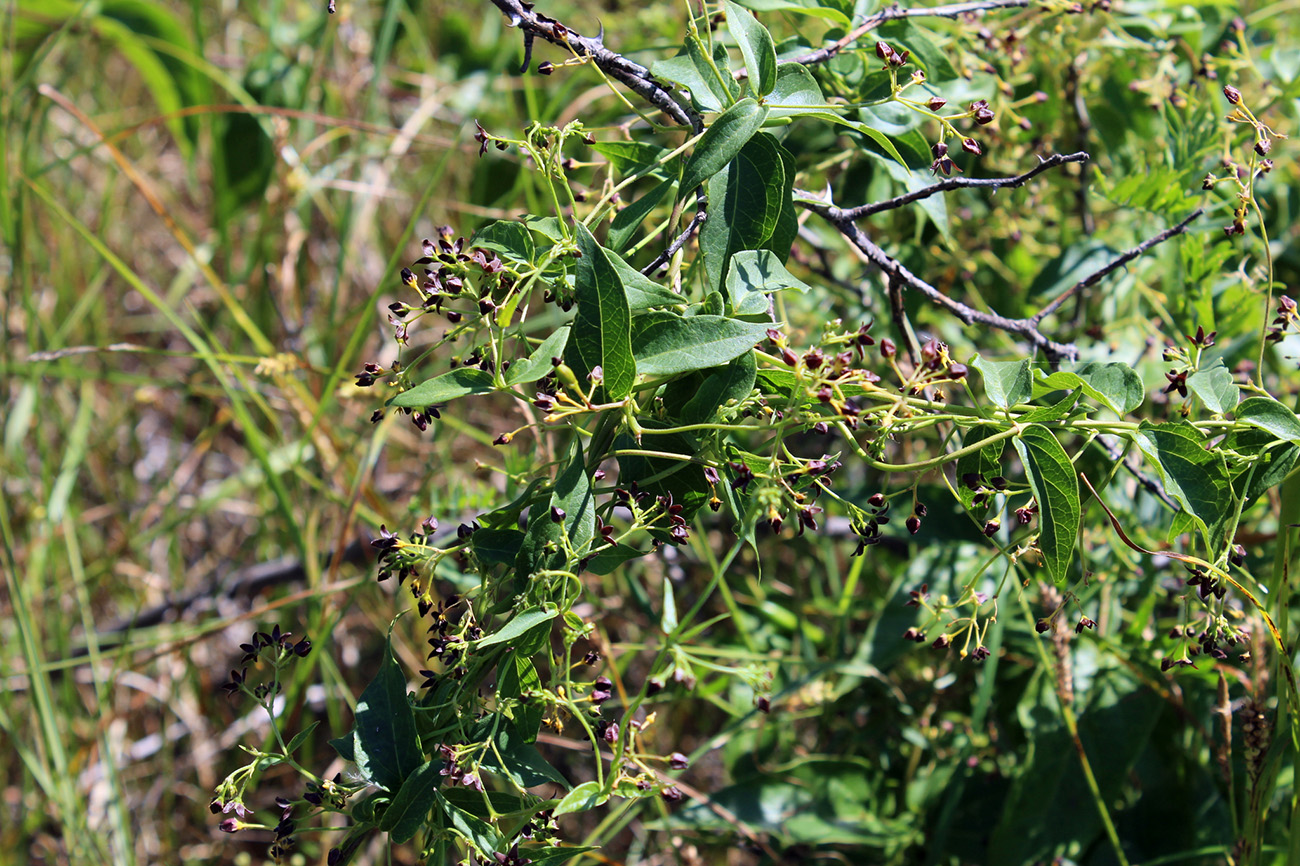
pixel 528 51
pixel 898 312
pixel 1123 259
pixel 1026 328
pixel 945 185
pixel 701 214
pixel 633 75
pixel 955 10
pixel 1082 129
pixel 844 220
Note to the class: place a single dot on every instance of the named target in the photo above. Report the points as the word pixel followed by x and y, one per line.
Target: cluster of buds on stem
pixel 1285 321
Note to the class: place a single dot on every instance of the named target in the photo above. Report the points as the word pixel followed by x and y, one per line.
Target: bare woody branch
pixel 1026 328
pixel 946 185
pixel 633 75
pixel 1123 259
pixel 893 13
pixel 701 214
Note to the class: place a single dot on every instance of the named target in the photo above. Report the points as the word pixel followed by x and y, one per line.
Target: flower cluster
pixel 284 649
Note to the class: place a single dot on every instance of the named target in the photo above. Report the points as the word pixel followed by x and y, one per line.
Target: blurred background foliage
pixel 203 207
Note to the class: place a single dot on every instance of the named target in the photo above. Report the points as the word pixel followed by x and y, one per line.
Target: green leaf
pixel 796 94
pixel 665 476
pixel 869 126
pixel 499 546
pixel 301 737
pixel 745 200
pixel 622 229
pixel 478 833
pixel 755 46
pixel 1051 477
pixel 572 494
pixel 1046 414
pixel 684 71
pixel 538 364
pixel 668 619
pixel 1273 463
pixel 461 382
pixel 1114 385
pixel 586 796
pixel 1007 383
pixel 695 399
pixel 611 558
pixel 551 855
pixel 752 275
pixel 1269 415
pixel 933 60
pixel 345 746
pixel 811 8
pixel 518 675
pixel 364 810
pixel 720 143
pixel 1196 478
pixel 600 335
pixel 411 805
pixel 546 226
pixel 385 742
pixel 632 157
pixel 643 292
pixel 1075 263
pixel 913 179
pixel 787 220
pixel 519 624
pixel 667 344
pixel 510 239
pixel 1215 388
pixel 518 760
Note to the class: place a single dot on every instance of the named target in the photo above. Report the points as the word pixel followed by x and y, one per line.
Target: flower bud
pixel 1233 94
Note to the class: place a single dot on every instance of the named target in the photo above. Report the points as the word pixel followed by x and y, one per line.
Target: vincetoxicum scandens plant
pixel 655 396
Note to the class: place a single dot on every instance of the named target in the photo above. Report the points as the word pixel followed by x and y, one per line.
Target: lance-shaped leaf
pixel 538 364
pixel 755 46
pixel 667 344
pixel 520 625
pixel 1051 477
pixel 601 335
pixel 586 796
pixel 720 143
pixel 625 223
pixel 460 382
pixel 411 805
pixel 385 744
pixel 473 830
pixel 643 292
